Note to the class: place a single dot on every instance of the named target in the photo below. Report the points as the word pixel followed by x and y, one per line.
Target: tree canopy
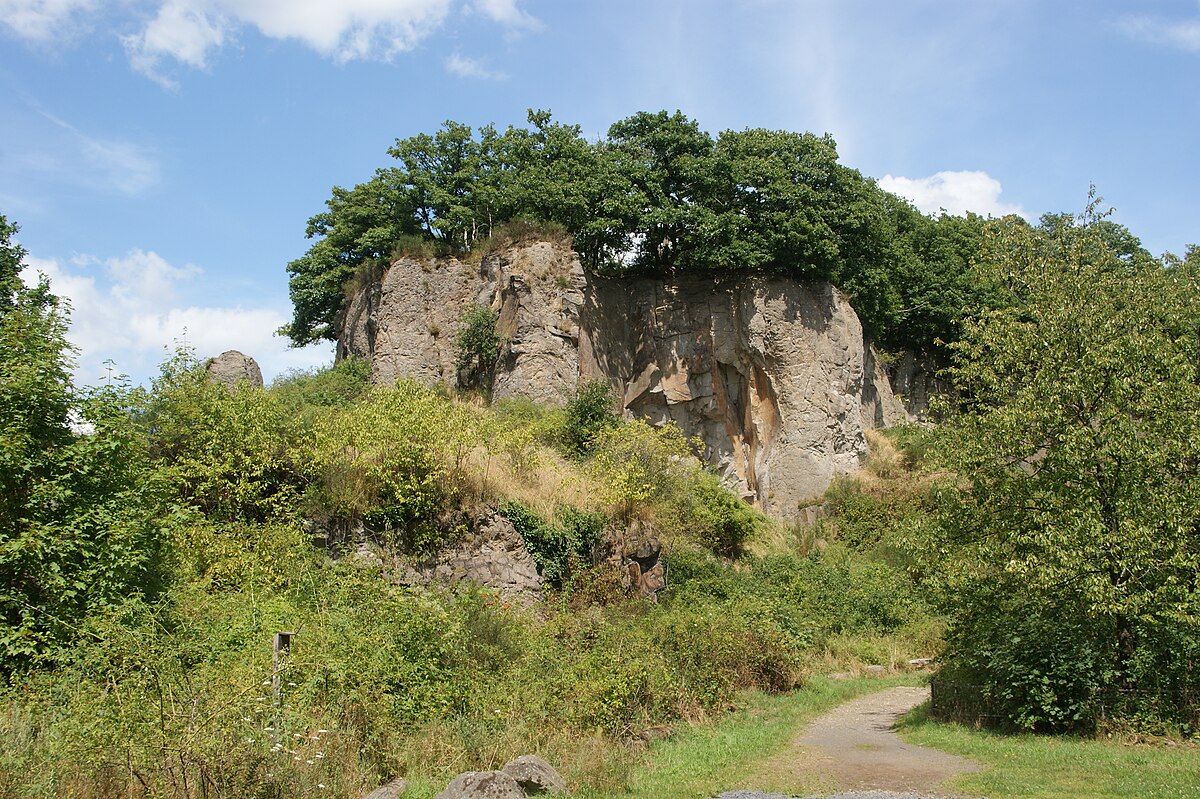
pixel 1076 527
pixel 657 195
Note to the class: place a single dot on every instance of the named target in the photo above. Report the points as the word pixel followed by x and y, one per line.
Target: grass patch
pixel 706 760
pixel 1024 765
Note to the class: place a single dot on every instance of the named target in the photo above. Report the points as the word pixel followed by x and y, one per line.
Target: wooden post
pixel 283 644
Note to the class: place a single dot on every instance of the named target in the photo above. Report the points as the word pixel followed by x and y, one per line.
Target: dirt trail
pixel 855 747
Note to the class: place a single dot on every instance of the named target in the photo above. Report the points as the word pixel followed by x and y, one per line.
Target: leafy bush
pixel 392 463
pixel 477 346
pixel 79 516
pixel 588 415
pixel 558 549
pixel 336 386
pixel 636 463
pixel 231 454
pixel 708 512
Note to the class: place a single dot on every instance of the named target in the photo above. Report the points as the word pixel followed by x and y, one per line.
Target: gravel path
pixel 855 749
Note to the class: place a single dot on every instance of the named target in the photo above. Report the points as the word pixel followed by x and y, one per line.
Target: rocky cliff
pixel 772 375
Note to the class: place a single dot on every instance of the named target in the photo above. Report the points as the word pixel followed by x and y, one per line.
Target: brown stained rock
pixel 535 775
pixel 482 785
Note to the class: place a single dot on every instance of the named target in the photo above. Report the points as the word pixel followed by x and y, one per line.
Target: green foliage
pixel 1074 530
pixel 659 196
pixel 809 599
pixel 231 454
pixel 715 517
pixel 562 548
pixel 392 463
pixel 636 463
pixel 588 415
pixel 78 515
pixel 336 386
pixel 477 347
pixel 360 225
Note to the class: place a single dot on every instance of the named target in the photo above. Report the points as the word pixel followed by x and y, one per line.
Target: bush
pixel 336 386
pixel 392 463
pixel 637 464
pixel 588 415
pixel 559 549
pixel 79 518
pixel 477 346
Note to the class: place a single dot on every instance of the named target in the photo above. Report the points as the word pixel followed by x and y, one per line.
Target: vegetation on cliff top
pixel 658 195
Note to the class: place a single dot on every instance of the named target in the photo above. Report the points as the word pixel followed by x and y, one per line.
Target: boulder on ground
pixel 535 775
pixel 482 785
pixel 232 367
pixel 393 790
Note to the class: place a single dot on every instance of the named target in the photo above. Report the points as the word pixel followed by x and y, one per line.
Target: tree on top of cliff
pixel 658 196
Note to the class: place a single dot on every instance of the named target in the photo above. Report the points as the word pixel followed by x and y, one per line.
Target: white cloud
pixel 508 14
pixel 466 67
pixel 187 31
pixel 127 309
pixel 180 30
pixel 44 21
pixel 1184 33
pixel 952 192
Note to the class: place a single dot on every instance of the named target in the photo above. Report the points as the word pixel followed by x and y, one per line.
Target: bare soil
pixel 855 747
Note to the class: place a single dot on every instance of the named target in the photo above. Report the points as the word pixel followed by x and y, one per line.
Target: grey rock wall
pixel 773 376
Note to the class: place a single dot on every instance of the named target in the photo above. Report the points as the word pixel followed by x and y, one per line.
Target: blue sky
pixel 162 157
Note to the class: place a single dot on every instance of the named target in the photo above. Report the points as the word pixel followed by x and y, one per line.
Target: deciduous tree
pixel 1076 527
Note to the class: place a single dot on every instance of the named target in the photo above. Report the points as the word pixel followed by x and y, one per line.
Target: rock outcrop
pixel 482 785
pixel 525 776
pixel 232 367
pixel 635 553
pixel 535 775
pixel 491 554
pixel 773 376
pixel 393 790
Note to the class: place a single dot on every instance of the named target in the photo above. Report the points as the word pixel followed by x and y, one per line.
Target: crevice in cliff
pixel 763 420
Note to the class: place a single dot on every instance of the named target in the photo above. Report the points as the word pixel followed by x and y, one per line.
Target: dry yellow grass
pixel 541 479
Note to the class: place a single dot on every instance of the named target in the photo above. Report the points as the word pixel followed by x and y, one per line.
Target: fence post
pixel 282 647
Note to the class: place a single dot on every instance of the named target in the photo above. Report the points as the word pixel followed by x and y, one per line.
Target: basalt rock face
pixel 773 376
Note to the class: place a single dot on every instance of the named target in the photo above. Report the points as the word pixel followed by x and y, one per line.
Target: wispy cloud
pixel 110 163
pixel 1181 33
pixel 182 31
pixel 509 15
pixel 467 67
pixel 953 192
pixel 186 32
pixel 128 309
pixel 45 21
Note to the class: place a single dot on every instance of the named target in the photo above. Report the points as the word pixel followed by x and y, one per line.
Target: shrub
pixel 392 463
pixel 477 346
pixel 336 386
pixel 588 415
pixel 636 463
pixel 558 549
